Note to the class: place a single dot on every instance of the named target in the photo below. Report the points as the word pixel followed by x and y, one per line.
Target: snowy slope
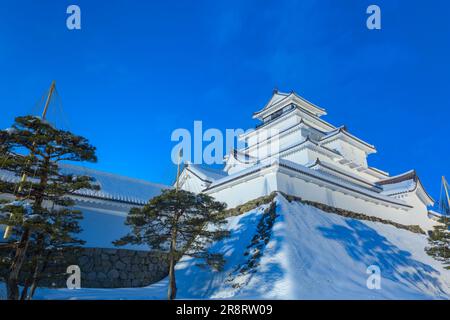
pixel 311 255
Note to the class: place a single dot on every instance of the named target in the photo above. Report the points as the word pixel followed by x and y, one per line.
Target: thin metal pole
pixel 23 179
pixel 444 182
pixel 178 171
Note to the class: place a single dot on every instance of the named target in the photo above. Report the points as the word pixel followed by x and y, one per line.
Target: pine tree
pixel 41 216
pixel 439 240
pixel 180 223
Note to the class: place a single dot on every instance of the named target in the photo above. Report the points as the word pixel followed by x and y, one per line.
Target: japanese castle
pixel 294 151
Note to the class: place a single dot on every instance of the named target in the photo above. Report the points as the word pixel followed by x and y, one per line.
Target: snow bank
pixel 2 291
pixel 311 255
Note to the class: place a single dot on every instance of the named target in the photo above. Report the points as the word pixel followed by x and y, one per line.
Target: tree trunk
pixel 21 251
pixel 172 282
pixel 172 292
pixel 26 285
pixel 12 285
pixel 36 277
pixel 41 264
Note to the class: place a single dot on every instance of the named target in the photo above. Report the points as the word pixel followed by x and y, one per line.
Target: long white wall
pixel 256 186
pixel 418 215
pixel 271 179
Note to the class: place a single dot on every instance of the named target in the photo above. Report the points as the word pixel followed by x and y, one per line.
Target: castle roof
pixel 406 182
pixel 113 187
pixel 409 175
pixel 310 174
pixel 280 99
pixel 205 173
pixel 342 133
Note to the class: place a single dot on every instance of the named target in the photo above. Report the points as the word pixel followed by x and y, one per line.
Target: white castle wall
pixel 349 152
pixel 342 156
pixel 256 186
pixel 275 179
pixel 264 132
pixel 193 184
pixel 418 215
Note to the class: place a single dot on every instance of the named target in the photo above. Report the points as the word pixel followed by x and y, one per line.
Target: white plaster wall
pixel 312 133
pixel 246 191
pixel 312 156
pixel 418 215
pixel 349 151
pixel 193 184
pixel 277 179
pixel 238 166
pixel 269 130
pixel 293 185
pixel 276 144
pixel 302 157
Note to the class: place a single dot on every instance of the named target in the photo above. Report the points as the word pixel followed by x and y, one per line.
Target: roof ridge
pixel 110 174
pixel 343 129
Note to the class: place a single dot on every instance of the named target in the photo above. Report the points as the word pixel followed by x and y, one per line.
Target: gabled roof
pixel 306 117
pixel 277 96
pixel 409 175
pixel 406 182
pixel 377 172
pixel 205 173
pixel 326 166
pixel 342 132
pixel 281 99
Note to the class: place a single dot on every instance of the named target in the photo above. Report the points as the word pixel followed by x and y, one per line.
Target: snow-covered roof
pixel 311 174
pixel 276 97
pixel 280 99
pixel 306 118
pixel 377 172
pixel 399 187
pixel 341 183
pixel 244 172
pixel 435 215
pixel 405 182
pixel 113 187
pixel 408 175
pixel 342 132
pixel 205 173
pixel 328 167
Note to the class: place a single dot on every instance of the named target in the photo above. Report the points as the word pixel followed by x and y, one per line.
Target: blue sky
pixel 138 70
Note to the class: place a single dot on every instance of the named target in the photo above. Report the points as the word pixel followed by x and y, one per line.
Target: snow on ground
pixel 311 255
pixel 2 291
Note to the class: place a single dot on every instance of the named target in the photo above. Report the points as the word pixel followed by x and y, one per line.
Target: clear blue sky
pixel 140 69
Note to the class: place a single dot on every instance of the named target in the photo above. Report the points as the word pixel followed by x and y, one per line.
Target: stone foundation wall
pixel 100 268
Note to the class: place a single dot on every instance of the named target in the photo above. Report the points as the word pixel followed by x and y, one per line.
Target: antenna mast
pixel 445 186
pixel 8 229
pixel 49 97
